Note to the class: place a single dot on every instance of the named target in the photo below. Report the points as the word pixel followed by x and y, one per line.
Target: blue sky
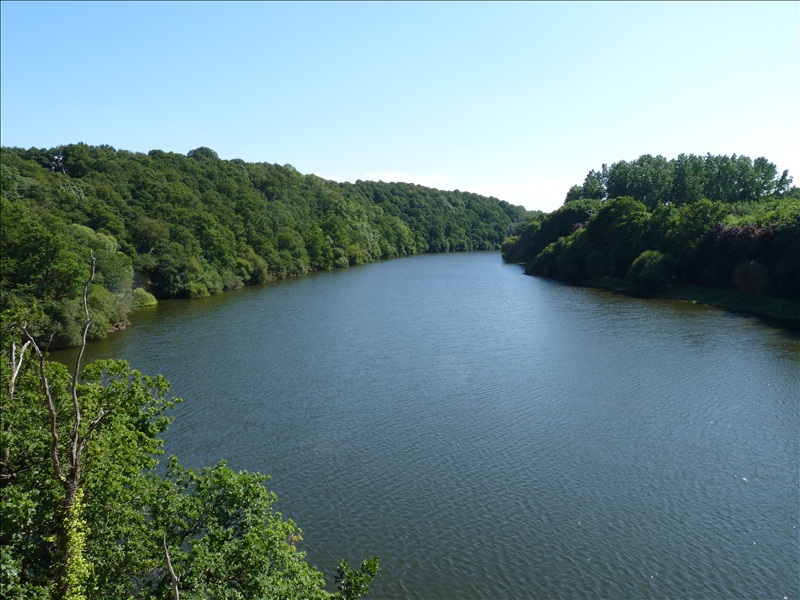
pixel 514 100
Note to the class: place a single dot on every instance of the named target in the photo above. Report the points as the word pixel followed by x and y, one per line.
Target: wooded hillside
pixel 719 221
pixel 188 226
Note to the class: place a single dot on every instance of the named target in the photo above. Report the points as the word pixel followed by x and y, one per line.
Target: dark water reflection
pixel 491 435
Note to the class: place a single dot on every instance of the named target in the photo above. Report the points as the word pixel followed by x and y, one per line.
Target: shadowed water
pixel 492 435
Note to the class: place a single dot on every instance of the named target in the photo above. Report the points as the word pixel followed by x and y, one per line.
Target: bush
pixel 142 297
pixel 652 271
pixel 596 264
pixel 750 276
pixel 196 290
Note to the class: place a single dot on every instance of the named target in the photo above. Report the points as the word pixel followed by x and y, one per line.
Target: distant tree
pixel 714 220
pixel 650 180
pixel 620 180
pixel 620 230
pixel 721 178
pixel 561 222
pixel 687 226
pixel 688 182
pixel 750 276
pixel 765 178
pixel 593 188
pixel 652 271
pixel 204 152
pixel 574 193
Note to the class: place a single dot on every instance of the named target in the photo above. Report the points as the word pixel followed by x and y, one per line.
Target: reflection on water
pixel 489 434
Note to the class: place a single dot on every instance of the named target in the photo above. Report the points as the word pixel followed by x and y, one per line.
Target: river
pixel 493 435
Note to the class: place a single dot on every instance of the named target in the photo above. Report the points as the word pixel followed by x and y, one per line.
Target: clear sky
pixel 515 100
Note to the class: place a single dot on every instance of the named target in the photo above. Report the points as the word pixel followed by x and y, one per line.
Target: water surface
pixel 493 435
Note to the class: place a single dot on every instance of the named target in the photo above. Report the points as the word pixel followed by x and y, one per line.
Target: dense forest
pixel 166 225
pixel 89 509
pixel 652 225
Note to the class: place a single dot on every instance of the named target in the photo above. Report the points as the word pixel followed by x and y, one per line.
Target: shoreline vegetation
pixel 88 507
pixel 715 230
pixel 167 225
pixel 779 311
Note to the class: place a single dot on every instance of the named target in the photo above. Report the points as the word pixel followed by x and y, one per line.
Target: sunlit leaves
pixel 187 226
pixel 656 236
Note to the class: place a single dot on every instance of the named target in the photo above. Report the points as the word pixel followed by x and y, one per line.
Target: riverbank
pixel 781 311
pixel 461 366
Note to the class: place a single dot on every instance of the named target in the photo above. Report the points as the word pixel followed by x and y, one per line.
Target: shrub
pixel 142 297
pixel 652 271
pixel 195 290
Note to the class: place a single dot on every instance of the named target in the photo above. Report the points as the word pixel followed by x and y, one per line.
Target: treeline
pixel 654 180
pixel 713 220
pixel 167 225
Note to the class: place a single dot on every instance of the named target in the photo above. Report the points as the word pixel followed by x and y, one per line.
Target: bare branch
pixel 51 408
pixel 6 473
pixel 176 593
pixel 16 365
pixel 74 458
pixel 92 426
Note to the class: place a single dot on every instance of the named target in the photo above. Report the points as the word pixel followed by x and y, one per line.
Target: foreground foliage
pixel 88 514
pixel 165 225
pixel 723 222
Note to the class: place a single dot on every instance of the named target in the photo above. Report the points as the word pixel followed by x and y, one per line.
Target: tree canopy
pixel 654 180
pixel 167 225
pixel 721 221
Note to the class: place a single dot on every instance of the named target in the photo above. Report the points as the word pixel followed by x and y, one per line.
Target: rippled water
pixel 492 435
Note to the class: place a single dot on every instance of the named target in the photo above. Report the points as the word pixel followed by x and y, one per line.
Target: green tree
pixel 87 514
pixel 620 230
pixel 750 276
pixel 714 220
pixel 652 271
pixel 721 178
pixel 574 193
pixel 688 180
pixel 765 178
pixel 688 225
pixel 193 225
